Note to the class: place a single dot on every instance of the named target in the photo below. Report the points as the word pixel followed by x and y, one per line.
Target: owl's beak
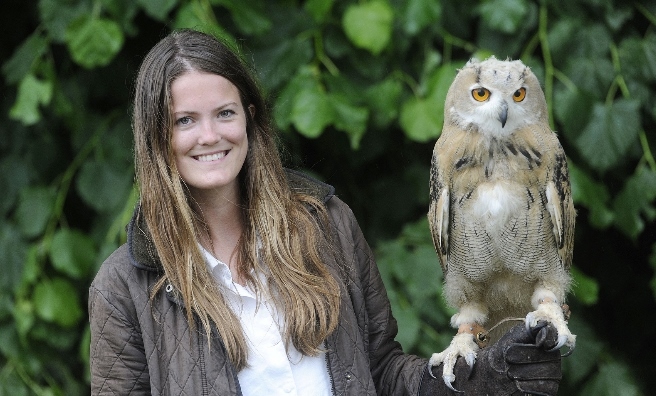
pixel 503 114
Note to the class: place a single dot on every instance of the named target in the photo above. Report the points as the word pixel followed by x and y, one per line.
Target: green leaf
pixel 349 118
pixel 157 9
pixel 23 316
pixel 14 176
pixel 618 17
pixel 193 15
pixel 13 251
pixel 32 93
pixel 420 13
pixel 383 99
pixel 613 379
pixel 283 61
pixel 440 81
pixel 34 209
pixel 103 187
pixel 369 25
pixel 636 198
pixel 425 277
pixel 56 301
pixel 13 385
pixel 56 15
pixel 72 253
pixel 649 47
pixel 24 58
pixel 573 109
pixel 592 195
pixel 312 111
pixel 420 119
pixel 319 9
pixel 93 42
pixel 585 288
pixel 506 16
pixel 249 16
pixel 6 306
pixel 285 101
pixel 62 339
pixel 592 75
pixel 585 358
pixel 409 331
pixel 610 133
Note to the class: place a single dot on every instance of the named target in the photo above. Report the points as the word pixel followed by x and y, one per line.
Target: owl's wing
pixel 438 212
pixel 561 207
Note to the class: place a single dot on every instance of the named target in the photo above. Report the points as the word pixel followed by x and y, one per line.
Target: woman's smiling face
pixel 209 132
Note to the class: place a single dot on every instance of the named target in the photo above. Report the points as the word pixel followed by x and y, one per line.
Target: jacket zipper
pixel 330 374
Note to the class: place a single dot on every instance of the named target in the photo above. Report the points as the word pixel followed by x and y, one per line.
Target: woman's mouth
pixel 211 157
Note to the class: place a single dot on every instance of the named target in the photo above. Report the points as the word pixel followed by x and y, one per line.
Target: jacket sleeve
pixel 117 358
pixel 393 371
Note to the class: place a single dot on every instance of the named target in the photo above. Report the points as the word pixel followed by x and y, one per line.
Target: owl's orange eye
pixel 480 94
pixel 519 95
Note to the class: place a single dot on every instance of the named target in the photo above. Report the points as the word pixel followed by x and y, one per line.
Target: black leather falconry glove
pixel 519 363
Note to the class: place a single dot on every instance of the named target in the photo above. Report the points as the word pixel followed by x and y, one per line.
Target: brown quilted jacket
pixel 141 347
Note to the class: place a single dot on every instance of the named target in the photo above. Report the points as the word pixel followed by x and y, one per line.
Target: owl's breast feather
pixel 493 203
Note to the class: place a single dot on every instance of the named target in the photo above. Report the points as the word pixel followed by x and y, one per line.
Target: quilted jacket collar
pixel 143 254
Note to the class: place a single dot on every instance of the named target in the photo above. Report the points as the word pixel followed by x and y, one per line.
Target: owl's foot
pixel 463 344
pixel 550 311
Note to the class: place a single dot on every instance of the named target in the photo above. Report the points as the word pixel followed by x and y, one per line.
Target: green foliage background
pixel 357 89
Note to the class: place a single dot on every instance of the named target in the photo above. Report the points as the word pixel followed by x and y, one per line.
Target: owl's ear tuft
pixel 472 62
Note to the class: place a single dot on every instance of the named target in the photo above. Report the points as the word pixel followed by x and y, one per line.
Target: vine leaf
pixel 72 253
pixel 32 93
pixel 610 133
pixel 56 301
pixel 93 42
pixel 24 58
pixel 422 117
pixel 635 199
pixel 158 9
pixel 35 207
pixel 312 111
pixel 506 16
pixel 369 25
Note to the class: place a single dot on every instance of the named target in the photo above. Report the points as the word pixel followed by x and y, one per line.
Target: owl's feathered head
pixel 495 97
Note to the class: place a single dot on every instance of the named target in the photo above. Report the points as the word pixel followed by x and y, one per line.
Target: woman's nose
pixel 209 133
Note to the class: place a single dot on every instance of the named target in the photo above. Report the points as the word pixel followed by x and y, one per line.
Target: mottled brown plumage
pixel 501 211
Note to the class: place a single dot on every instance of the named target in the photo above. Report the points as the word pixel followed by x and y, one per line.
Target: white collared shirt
pixel 272 369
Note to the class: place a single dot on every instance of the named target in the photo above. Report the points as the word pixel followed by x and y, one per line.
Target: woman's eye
pixel 183 120
pixel 226 113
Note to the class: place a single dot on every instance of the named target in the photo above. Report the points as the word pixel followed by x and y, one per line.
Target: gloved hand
pixel 519 363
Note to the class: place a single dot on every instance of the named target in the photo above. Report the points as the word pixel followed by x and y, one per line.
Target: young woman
pixel 241 277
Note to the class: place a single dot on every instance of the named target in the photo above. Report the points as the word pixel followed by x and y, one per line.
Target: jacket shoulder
pixel 300 182
pixel 118 283
pixel 114 270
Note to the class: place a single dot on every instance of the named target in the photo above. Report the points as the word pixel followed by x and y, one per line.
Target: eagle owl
pixel 501 211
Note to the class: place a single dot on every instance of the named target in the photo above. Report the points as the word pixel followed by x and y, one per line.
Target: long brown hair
pixel 284 232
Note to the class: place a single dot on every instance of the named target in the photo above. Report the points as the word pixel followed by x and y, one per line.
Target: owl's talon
pixel 562 340
pixel 462 344
pixel 570 349
pixel 471 370
pixel 448 379
pixel 430 370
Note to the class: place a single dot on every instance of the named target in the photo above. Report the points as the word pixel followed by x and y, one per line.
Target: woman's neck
pixel 223 219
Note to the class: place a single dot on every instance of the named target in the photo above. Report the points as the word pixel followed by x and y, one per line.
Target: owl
pixel 501 212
